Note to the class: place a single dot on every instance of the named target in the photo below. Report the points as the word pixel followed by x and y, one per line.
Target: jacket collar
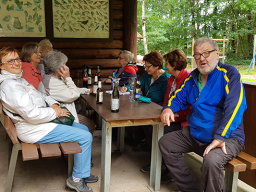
pixel 7 75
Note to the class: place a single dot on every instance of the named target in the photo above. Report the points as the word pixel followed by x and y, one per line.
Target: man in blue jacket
pixel 215 130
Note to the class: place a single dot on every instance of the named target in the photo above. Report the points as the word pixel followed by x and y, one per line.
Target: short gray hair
pixel 203 40
pixel 127 55
pixel 53 60
pixel 27 51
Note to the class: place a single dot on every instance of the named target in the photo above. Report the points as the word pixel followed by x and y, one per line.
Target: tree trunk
pixel 237 43
pixel 144 27
pixel 230 28
pixel 250 35
pixel 192 5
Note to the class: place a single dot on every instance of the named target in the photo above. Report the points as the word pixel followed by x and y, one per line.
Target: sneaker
pixel 140 147
pixel 145 169
pixel 79 187
pixel 91 179
pixel 166 177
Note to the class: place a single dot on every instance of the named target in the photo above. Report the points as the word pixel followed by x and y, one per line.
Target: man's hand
pixel 167 116
pixel 215 143
pixel 64 71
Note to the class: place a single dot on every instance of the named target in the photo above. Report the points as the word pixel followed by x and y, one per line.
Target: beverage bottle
pixel 95 85
pixel 99 96
pixel 115 98
pixel 85 78
pixel 98 72
pixel 137 89
pixel 89 77
pixel 112 83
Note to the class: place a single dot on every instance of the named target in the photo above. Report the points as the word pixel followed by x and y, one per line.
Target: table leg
pixel 106 156
pixel 120 138
pixel 156 158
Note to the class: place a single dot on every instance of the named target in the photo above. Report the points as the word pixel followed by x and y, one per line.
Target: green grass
pixel 250 80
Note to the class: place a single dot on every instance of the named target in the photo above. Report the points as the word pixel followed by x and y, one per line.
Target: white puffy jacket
pixel 19 97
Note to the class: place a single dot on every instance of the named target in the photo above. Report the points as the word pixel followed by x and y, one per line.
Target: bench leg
pixel 12 166
pixel 120 138
pixel 230 182
pixel 70 164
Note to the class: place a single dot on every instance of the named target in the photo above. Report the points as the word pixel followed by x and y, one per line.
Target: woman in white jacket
pixel 27 108
pixel 58 83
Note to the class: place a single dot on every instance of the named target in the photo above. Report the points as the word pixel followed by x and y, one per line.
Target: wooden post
pixel 130 26
pixel 254 51
pixel 192 59
pixel 223 50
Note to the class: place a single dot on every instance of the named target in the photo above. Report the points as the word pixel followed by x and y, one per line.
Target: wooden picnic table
pixel 130 114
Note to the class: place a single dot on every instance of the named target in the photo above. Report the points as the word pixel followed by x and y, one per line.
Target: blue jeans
pixel 76 133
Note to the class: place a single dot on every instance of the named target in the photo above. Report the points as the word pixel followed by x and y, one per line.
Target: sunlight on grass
pixel 244 72
pixel 250 80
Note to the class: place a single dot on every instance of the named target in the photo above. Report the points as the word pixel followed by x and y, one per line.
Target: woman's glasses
pixel 147 67
pixel 12 61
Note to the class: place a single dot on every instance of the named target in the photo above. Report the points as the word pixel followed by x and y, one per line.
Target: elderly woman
pixel 127 68
pixel 28 110
pixel 31 55
pixel 154 80
pixel 176 62
pixel 45 46
pixel 58 83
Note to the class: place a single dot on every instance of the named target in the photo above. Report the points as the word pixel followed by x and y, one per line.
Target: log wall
pixel 103 54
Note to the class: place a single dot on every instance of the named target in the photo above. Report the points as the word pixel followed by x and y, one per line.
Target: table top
pixel 127 110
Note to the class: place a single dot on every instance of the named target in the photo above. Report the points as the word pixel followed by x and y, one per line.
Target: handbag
pixel 64 120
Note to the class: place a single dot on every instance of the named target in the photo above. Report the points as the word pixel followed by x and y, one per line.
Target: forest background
pixel 172 24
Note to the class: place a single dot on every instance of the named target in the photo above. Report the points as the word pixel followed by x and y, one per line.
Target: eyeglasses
pixel 205 54
pixel 12 61
pixel 147 67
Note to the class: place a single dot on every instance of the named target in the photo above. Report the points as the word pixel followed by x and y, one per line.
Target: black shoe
pixel 140 147
pixel 166 177
pixel 145 169
pixel 91 179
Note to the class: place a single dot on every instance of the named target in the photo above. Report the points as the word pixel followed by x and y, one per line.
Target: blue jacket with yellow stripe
pixel 217 112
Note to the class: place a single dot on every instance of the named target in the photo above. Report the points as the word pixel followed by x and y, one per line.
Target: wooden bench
pixel 30 151
pixel 242 162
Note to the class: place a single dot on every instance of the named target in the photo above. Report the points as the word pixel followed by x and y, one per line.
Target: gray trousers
pixel 173 144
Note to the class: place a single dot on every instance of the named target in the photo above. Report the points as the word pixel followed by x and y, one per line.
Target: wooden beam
pixel 118 5
pixel 91 53
pixel 121 122
pixel 118 15
pixel 118 24
pixel 140 121
pixel 130 26
pixel 118 34
pixel 103 63
pixel 115 44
